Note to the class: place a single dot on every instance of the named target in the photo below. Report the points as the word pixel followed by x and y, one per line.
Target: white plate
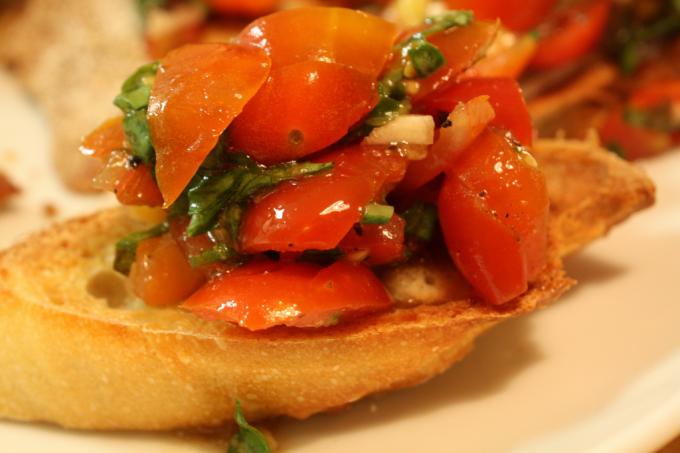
pixel 597 371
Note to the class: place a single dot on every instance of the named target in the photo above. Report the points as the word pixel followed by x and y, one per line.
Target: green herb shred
pixel 421 221
pixel 126 248
pixel 377 214
pixel 248 439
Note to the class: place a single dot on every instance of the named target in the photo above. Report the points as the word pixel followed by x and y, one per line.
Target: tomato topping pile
pixel 285 177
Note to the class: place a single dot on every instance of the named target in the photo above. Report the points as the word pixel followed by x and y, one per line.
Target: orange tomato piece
pixel 107 137
pixel 317 212
pixel 518 15
pixel 571 33
pixel 263 295
pixel 303 108
pixel 243 7
pixel 137 187
pixel 461 48
pixel 161 274
pixel 493 210
pixel 196 95
pixel 468 120
pixel 505 59
pixel 349 37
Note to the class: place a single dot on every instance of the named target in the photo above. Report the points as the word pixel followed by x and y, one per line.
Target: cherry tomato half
pixel 461 48
pixel 493 210
pixel 107 137
pixel 338 35
pixel 467 120
pixel 518 15
pixel 571 33
pixel 303 108
pixel 259 296
pixel 161 274
pixel 136 187
pixel 317 212
pixel 196 95
pixel 505 96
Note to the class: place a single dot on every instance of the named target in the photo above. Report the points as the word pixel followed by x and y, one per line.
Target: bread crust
pixel 71 356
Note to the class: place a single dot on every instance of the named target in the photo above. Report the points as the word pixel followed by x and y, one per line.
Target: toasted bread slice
pixel 79 351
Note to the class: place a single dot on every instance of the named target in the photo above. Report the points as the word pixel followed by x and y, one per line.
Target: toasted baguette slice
pixel 78 351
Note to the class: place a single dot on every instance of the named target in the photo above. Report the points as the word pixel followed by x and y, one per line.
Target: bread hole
pixel 110 286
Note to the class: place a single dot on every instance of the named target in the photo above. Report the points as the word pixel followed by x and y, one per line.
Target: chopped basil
pixel 421 221
pixel 220 252
pixel 133 101
pixel 126 248
pixel 659 118
pixel 377 214
pixel 617 149
pixel 248 439
pixel 425 58
pixel 211 193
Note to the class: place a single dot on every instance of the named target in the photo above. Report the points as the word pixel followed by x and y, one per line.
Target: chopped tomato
pixel 246 8
pixel 344 36
pixel 196 95
pixel 382 244
pixel 304 107
pixel 317 212
pixel 632 141
pixel 493 210
pixel 290 294
pixel 467 120
pixel 137 187
pixel 461 48
pixel 508 56
pixel 656 93
pixel 161 274
pixel 505 96
pixel 518 15
pixel 571 33
pixel 107 137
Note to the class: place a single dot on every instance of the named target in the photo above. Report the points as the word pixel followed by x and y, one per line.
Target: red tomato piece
pixel 161 274
pixel 107 137
pixel 656 93
pixel 352 38
pixel 241 7
pixel 137 187
pixel 196 95
pixel 505 96
pixel 635 142
pixel 382 243
pixel 317 212
pixel 461 47
pixel 468 120
pixel 290 294
pixel 303 108
pixel 518 15
pixel 493 211
pixel 571 33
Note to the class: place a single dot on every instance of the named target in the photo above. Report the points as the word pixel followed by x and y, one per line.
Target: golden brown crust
pixel 82 361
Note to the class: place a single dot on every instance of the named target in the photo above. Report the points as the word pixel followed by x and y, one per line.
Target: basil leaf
pixel 248 439
pixel 377 214
pixel 136 130
pixel 425 58
pixel 126 248
pixel 421 221
pixel 210 193
pixel 220 252
pixel 143 76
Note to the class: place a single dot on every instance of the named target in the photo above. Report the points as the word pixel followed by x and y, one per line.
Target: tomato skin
pixel 461 47
pixel 468 120
pixel 518 15
pixel 572 33
pixel 264 295
pixel 493 212
pixel 246 8
pixel 187 114
pixel 317 212
pixel 303 108
pixel 107 137
pixel 636 142
pixel 136 187
pixel 506 61
pixel 383 243
pixel 338 35
pixel 656 93
pixel 505 96
pixel 161 274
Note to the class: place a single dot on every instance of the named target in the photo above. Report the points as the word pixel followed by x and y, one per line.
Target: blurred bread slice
pixel 72 56
pixel 77 350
